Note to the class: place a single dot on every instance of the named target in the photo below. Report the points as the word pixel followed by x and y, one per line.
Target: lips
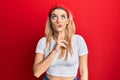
pixel 59 25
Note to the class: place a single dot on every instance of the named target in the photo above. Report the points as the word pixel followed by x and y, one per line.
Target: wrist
pixel 54 51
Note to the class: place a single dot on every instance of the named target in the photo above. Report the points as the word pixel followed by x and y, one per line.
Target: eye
pixel 63 16
pixel 53 17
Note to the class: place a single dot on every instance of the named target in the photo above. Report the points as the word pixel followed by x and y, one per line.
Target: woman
pixel 61 52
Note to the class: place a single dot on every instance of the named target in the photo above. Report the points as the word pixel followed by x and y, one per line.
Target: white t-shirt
pixel 61 67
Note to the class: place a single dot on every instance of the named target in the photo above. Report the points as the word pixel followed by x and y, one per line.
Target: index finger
pixel 58 36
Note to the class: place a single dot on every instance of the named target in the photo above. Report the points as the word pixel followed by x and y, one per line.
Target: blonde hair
pixel 70 30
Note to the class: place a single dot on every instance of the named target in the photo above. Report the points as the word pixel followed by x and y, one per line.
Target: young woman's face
pixel 59 20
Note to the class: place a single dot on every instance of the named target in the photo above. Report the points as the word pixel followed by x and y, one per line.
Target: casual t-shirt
pixel 59 66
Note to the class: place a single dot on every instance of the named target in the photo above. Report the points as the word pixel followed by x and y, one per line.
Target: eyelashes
pixel 63 16
pixel 53 16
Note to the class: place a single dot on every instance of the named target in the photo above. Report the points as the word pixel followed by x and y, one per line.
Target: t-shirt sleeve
pixel 82 46
pixel 40 48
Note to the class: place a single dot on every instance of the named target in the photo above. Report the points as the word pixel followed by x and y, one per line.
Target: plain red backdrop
pixel 22 24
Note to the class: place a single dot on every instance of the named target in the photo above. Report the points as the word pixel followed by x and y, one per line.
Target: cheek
pixel 65 22
pixel 53 22
pixel 54 25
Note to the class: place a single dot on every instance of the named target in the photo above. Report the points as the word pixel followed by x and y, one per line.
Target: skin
pixel 58 17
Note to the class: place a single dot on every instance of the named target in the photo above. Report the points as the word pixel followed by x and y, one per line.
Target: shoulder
pixel 77 36
pixel 42 40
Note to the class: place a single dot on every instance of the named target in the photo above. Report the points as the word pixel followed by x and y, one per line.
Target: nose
pixel 59 20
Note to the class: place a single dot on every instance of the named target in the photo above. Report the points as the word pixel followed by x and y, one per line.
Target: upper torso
pixel 61 69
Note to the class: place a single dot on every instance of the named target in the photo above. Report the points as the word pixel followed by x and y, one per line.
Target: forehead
pixel 58 11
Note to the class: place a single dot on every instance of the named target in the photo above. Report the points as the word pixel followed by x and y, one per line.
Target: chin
pixel 60 30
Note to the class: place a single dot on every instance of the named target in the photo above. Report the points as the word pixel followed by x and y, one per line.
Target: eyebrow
pixel 53 14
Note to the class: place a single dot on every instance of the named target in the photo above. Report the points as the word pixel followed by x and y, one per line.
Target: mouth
pixel 59 26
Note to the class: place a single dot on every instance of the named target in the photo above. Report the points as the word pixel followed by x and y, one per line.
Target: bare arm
pixel 41 64
pixel 83 67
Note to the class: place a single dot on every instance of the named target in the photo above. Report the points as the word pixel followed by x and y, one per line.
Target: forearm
pixel 84 76
pixel 41 67
pixel 83 67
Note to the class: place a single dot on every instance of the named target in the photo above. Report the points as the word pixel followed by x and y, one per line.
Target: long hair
pixel 70 30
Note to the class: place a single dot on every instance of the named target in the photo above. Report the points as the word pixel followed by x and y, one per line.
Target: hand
pixel 60 44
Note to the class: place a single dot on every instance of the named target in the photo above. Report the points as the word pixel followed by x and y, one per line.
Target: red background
pixel 22 25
